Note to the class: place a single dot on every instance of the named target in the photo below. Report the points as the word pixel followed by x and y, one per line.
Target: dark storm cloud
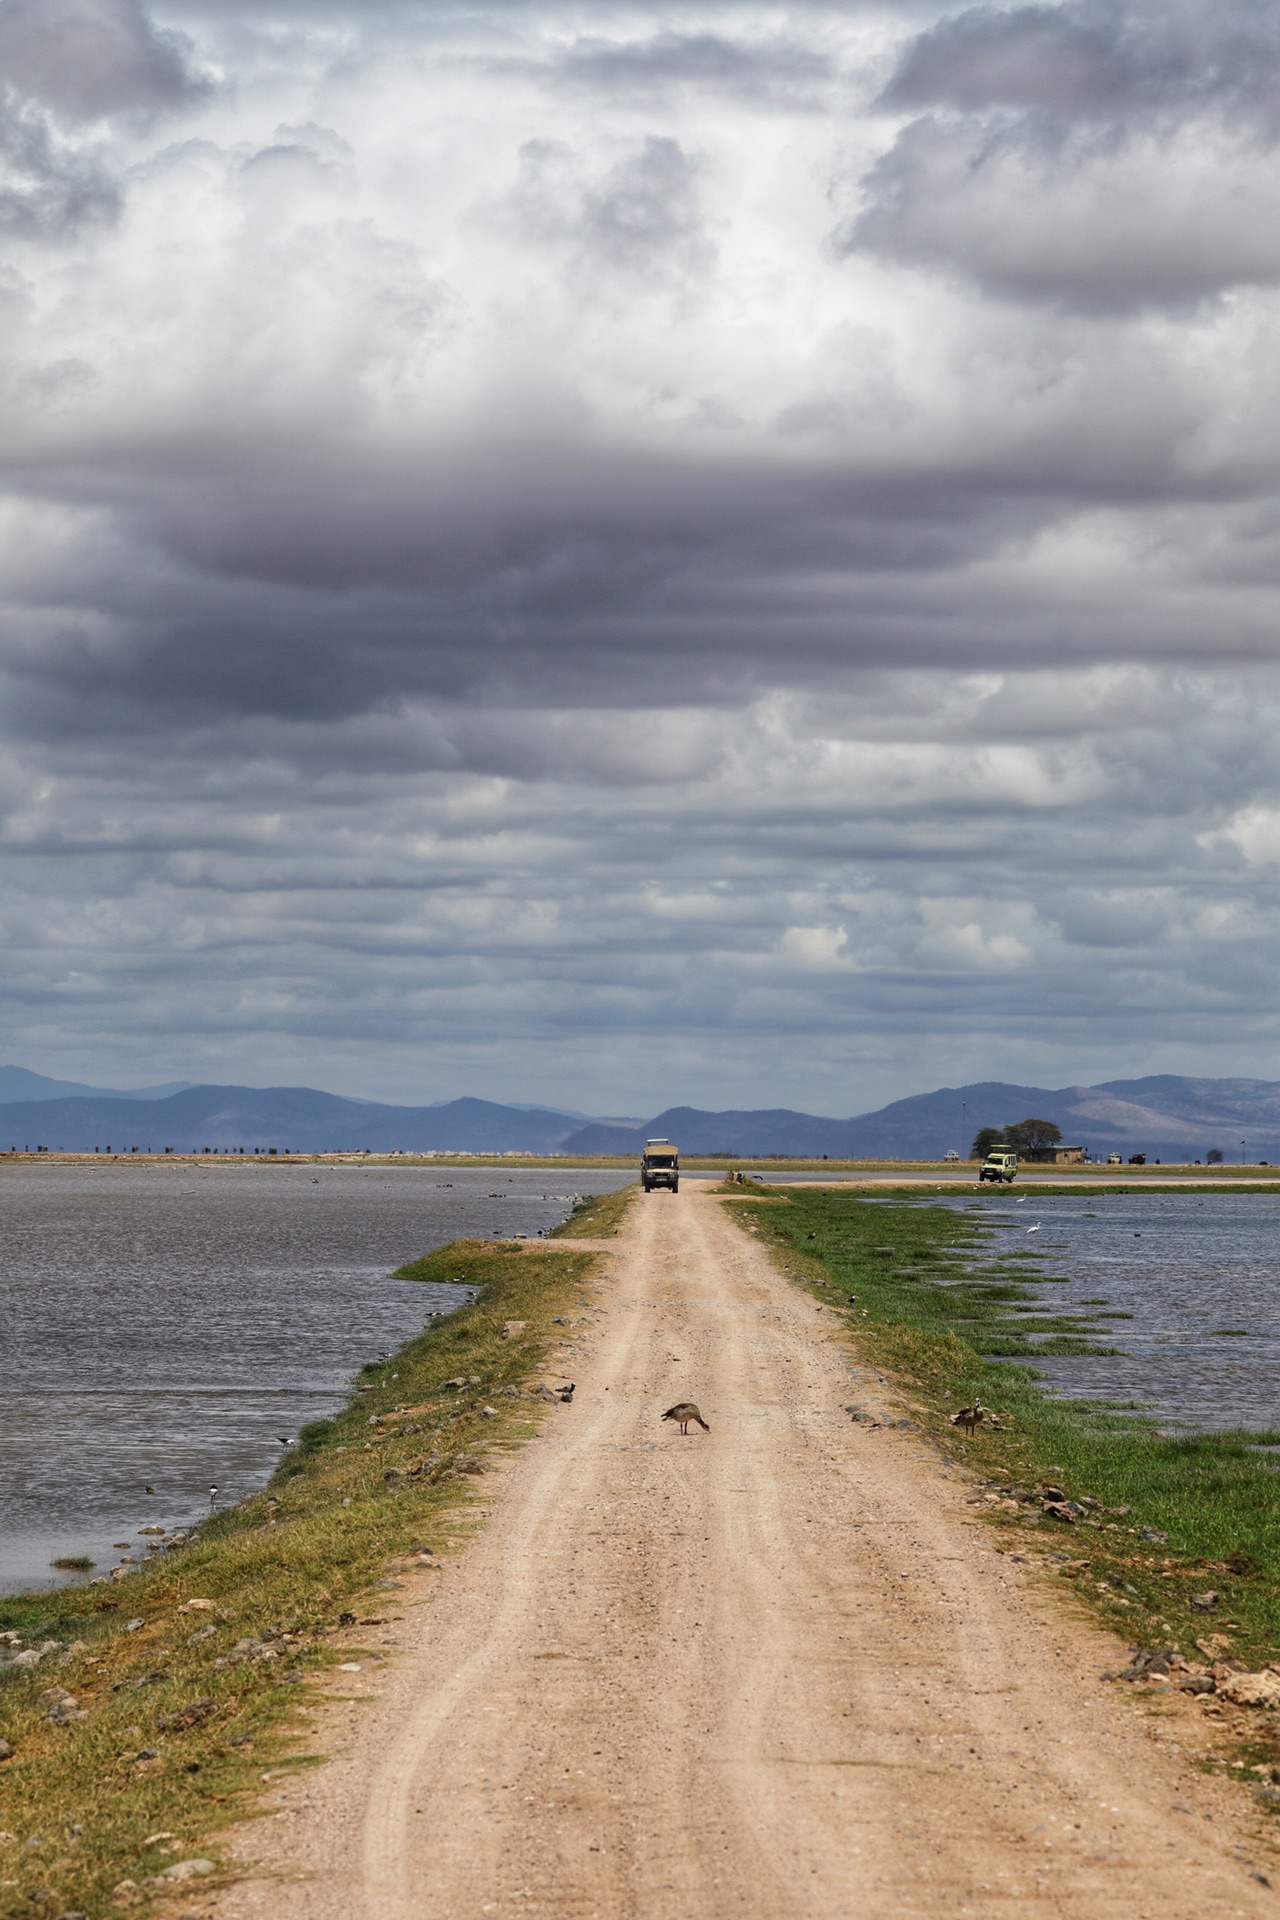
pixel 47 189
pixel 1112 63
pixel 89 59
pixel 1106 158
pixel 65 64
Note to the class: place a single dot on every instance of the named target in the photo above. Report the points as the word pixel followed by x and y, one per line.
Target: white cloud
pixel 815 949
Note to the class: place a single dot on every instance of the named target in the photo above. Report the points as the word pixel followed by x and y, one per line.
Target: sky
pixel 627 555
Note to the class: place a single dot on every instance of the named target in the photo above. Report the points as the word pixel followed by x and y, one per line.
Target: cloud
pixel 639 215
pixel 492 598
pixel 1045 213
pixel 47 189
pixel 1089 61
pixel 761 69
pixel 1108 158
pixel 89 59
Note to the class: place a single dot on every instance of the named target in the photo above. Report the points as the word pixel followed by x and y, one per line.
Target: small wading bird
pixel 684 1411
pixel 1034 1229
pixel 970 1417
pixel 213 1495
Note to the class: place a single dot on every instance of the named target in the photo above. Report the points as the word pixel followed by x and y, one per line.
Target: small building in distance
pixel 1055 1156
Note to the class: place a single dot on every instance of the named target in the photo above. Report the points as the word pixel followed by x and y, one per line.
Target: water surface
pixel 169 1326
pixel 1198 1273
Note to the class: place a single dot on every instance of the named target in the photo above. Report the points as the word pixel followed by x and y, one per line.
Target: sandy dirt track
pixel 774 1670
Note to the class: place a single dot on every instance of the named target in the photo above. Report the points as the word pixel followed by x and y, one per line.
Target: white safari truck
pixel 660 1166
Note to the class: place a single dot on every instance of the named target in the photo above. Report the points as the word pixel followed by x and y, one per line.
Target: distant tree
pixel 1214 1157
pixel 1029 1136
pixel 984 1141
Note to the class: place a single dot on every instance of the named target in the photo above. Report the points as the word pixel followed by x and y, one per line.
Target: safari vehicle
pixel 660 1166
pixel 1002 1164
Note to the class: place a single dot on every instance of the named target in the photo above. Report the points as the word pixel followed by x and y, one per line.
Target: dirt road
pixel 774 1670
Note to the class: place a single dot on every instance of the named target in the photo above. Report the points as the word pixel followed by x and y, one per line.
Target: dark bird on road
pixel 684 1411
pixel 566 1393
pixel 148 1489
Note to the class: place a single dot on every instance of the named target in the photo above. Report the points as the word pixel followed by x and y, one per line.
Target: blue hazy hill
pixel 300 1118
pixel 20 1084
pixel 1166 1116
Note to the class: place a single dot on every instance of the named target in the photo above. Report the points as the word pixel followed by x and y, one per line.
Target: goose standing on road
pixel 684 1411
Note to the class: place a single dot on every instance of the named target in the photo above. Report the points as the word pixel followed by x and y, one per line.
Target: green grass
pixel 935 1307
pixel 185 1708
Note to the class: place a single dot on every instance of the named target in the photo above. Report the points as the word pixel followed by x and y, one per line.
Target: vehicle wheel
pixel 675 1186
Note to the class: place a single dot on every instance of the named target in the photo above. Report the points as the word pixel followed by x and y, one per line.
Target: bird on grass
pixel 684 1411
pixel 970 1418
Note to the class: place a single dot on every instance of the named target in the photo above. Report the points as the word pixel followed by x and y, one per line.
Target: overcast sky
pixel 624 555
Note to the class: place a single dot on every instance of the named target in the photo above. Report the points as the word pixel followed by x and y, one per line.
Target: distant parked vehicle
pixel 660 1166
pixel 999 1165
pixel 1115 1159
pixel 1137 1159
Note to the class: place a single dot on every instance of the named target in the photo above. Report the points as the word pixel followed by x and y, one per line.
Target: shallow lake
pixel 1198 1272
pixel 170 1327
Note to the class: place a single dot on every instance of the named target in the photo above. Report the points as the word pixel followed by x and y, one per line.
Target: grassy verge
pixel 598 1216
pixel 188 1677
pixel 1160 1519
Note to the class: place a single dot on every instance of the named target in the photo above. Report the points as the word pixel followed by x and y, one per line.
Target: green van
pixel 1000 1165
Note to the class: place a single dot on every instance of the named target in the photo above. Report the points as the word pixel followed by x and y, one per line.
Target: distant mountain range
pixel 1165 1116
pixel 300 1118
pixel 18 1084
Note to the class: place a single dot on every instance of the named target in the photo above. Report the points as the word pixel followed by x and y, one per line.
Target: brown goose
pixel 969 1418
pixel 684 1411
